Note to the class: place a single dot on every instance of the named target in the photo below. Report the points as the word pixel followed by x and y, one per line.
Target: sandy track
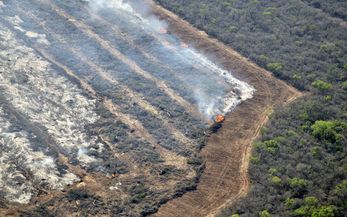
pixel 227 153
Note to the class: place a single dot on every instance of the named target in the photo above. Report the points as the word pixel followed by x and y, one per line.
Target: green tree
pixel 255 159
pixel 276 68
pixel 324 130
pixel 315 152
pixel 303 211
pixel 341 189
pixel 298 186
pixel 324 211
pixel 273 171
pixel 296 182
pixel 322 85
pixel 270 146
pixel 276 180
pixel 311 201
pixel 264 213
pixel 290 202
pixel 344 85
pixel 341 192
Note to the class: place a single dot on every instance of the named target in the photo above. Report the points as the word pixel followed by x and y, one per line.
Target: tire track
pixel 213 193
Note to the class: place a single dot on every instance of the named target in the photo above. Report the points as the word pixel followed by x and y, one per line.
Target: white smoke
pixel 139 11
pixel 222 104
pixel 2 5
pixel 97 5
pixel 228 90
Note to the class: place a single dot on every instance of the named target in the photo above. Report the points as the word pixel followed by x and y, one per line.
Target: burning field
pixel 104 107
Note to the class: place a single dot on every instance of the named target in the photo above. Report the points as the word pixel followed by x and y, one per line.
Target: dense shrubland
pixel 299 165
pixel 336 8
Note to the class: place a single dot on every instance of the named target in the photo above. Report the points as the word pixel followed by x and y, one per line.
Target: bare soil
pixel 227 153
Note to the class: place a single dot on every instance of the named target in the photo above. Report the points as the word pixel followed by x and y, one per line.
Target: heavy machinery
pixel 219 119
pixel 217 122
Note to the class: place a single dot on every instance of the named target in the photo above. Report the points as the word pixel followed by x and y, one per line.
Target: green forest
pixel 299 164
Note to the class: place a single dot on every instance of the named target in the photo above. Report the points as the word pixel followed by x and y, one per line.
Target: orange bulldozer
pixel 217 123
pixel 219 118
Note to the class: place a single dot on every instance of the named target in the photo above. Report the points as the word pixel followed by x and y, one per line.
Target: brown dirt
pixel 227 152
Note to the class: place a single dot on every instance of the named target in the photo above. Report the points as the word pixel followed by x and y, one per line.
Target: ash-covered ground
pixel 103 110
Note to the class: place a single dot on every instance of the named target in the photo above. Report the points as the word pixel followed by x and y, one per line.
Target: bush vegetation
pixel 299 166
pixel 335 8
